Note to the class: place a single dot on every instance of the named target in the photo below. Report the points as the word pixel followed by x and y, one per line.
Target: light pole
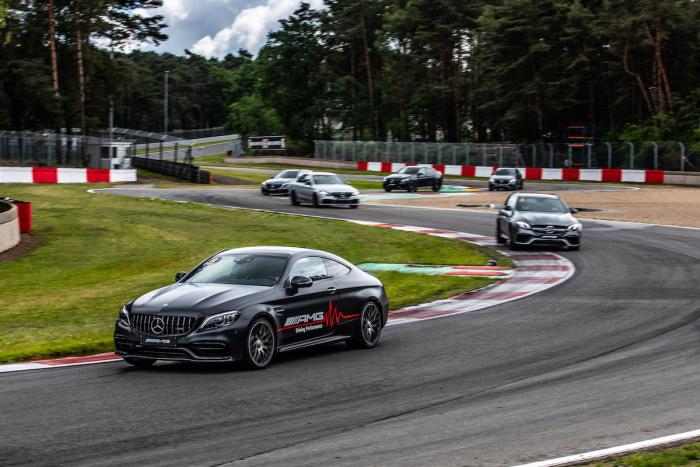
pixel 165 105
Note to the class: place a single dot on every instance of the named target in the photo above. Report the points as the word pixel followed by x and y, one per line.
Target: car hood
pixel 546 218
pixel 400 176
pixel 334 188
pixel 279 180
pixel 203 298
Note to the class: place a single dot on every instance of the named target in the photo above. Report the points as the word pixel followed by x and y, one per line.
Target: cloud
pixel 174 11
pixel 249 29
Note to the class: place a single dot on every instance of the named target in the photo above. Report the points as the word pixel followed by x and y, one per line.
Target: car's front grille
pixel 549 229
pixel 169 325
pixel 342 195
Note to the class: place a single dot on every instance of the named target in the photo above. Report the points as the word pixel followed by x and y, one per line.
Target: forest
pixel 452 70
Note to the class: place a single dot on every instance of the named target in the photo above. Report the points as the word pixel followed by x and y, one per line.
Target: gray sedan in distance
pixel 323 188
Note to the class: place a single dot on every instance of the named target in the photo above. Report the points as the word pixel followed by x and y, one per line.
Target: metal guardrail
pixel 661 155
pixel 180 170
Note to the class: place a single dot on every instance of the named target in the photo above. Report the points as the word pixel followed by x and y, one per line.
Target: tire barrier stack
pixel 9 225
pixel 188 172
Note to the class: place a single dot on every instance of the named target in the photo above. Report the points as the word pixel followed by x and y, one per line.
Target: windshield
pixel 505 172
pixel 262 270
pixel 287 174
pixel 537 204
pixel 328 180
pixel 409 170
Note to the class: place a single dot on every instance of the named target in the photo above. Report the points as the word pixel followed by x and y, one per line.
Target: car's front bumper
pixel 338 200
pixel 497 185
pixel 219 345
pixel 528 237
pixel 277 190
pixel 397 183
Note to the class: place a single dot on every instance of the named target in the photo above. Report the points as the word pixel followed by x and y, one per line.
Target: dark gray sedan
pixel 537 219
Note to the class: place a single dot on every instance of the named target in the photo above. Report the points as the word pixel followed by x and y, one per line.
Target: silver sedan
pixel 322 188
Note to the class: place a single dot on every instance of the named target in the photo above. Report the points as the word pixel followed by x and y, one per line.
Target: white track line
pixel 615 451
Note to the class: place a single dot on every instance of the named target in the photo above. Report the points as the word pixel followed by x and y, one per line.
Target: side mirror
pixel 179 276
pixel 300 282
pixel 573 210
pixel 307 182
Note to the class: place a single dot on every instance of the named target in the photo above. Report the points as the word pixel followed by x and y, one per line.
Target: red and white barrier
pixel 64 175
pixel 533 173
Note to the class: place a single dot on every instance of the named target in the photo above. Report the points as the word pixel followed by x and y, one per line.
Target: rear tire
pixel 368 329
pixel 293 199
pixel 412 187
pixel 139 362
pixel 259 345
pixel 437 186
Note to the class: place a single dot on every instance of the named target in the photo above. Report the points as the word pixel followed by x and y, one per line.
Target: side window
pixel 303 178
pixel 311 266
pixel 335 269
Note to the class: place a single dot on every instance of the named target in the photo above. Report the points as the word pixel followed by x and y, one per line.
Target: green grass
pixel 99 251
pixel 261 177
pixel 687 455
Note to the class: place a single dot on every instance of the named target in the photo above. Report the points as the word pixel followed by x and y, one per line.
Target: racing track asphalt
pixel 609 357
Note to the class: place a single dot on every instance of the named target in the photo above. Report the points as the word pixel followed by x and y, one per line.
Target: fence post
pixel 609 146
pixel 656 155
pixel 399 145
pixel 161 149
pixel 534 155
pixel 483 155
pixel 468 154
pixel 342 154
pixel 175 154
pixel 425 153
pixel 439 158
pixel 413 153
pixel 551 155
pixel 682 147
pixel 631 144
pixel 500 155
pixel 589 148
pixel 354 151
pixel 569 156
pixel 454 155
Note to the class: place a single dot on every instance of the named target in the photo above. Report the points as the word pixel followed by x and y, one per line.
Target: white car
pixel 323 188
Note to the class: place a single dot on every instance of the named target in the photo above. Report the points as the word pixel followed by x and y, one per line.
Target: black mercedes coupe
pixel 247 304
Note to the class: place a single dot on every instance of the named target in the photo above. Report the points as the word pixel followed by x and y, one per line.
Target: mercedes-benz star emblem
pixel 158 326
pixel 549 229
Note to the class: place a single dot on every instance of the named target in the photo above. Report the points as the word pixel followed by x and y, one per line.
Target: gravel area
pixel 655 205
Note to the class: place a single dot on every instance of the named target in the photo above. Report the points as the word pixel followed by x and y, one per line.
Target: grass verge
pixel 99 251
pixel 686 455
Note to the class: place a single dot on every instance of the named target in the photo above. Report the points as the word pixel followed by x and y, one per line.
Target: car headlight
pixel 285 185
pixel 574 227
pixel 323 193
pixel 523 225
pixel 264 183
pixel 124 317
pixel 512 180
pixel 221 320
pixel 355 192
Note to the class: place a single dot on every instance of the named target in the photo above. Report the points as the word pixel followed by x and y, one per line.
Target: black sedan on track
pixel 279 184
pixel 245 305
pixel 537 219
pixel 413 177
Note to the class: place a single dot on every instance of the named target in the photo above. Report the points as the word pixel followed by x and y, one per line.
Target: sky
pixel 213 28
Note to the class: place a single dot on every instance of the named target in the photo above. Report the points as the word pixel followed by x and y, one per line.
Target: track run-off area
pixel 608 357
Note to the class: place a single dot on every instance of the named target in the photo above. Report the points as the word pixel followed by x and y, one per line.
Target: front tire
pixel 437 186
pixel 354 206
pixel 315 200
pixel 139 362
pixel 499 234
pixel 259 345
pixel 412 187
pixel 511 241
pixel 368 329
pixel 387 189
pixel 265 192
pixel 293 199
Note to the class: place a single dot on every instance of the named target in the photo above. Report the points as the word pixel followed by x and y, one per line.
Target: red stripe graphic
pixel 98 175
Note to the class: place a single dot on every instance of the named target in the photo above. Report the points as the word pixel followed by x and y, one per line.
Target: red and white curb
pixel 60 362
pixel 616 451
pixel 65 175
pixel 535 272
